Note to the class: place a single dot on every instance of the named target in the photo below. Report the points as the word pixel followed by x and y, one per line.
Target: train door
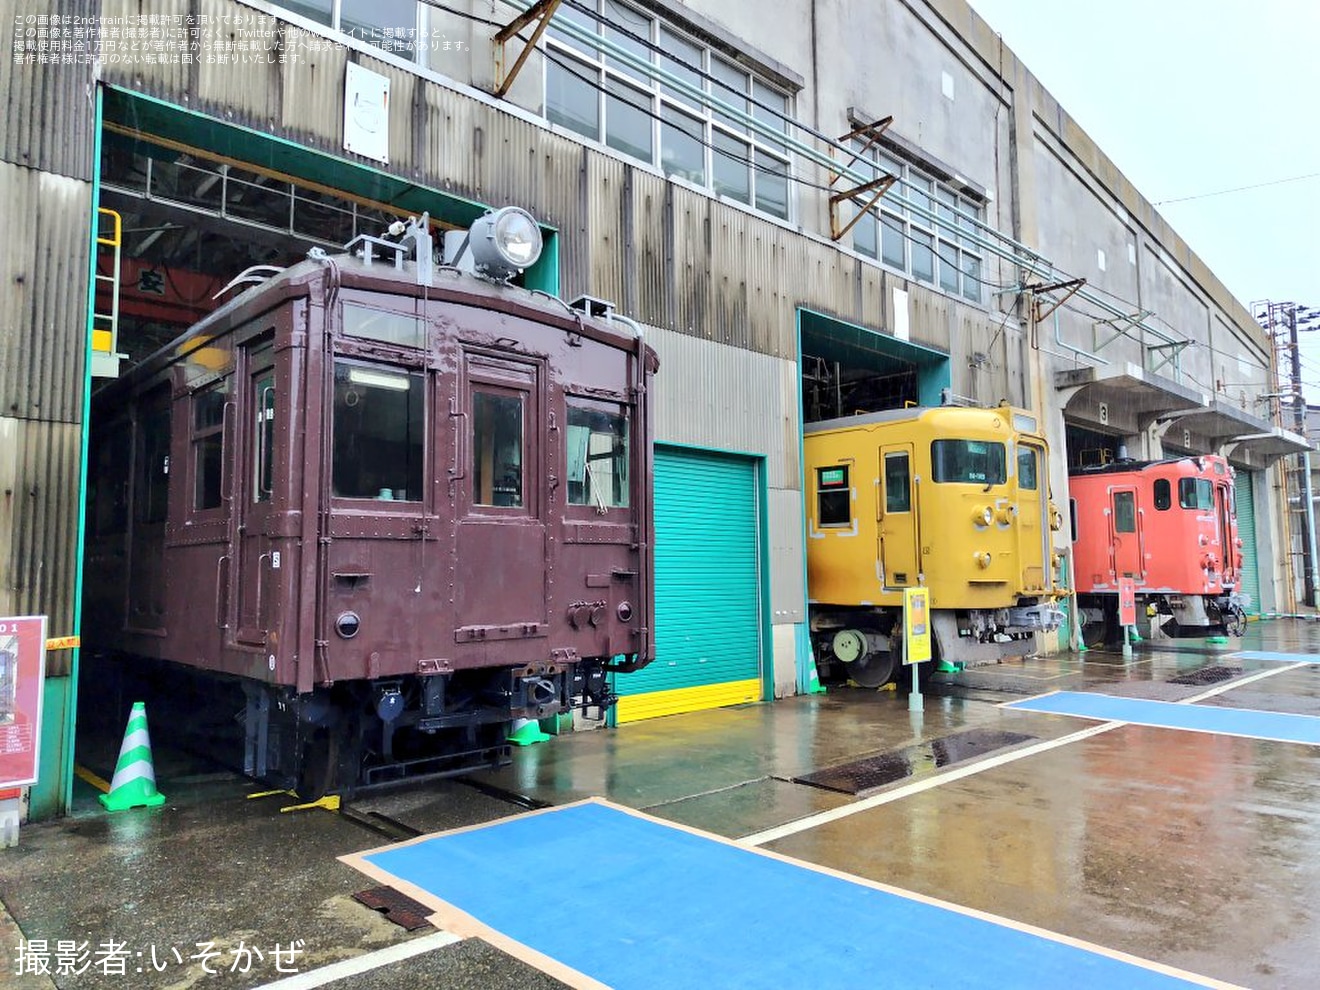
pixel 501 546
pixel 146 560
pixel 896 517
pixel 1032 511
pixel 1227 536
pixel 253 488
pixel 1125 551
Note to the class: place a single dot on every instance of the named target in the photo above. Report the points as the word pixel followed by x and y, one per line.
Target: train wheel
pixel 1235 621
pixel 873 670
pixel 320 764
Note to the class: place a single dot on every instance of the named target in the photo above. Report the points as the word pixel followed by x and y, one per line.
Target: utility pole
pixel 1277 317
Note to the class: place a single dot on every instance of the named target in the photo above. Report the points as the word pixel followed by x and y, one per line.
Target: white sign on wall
pixel 367 113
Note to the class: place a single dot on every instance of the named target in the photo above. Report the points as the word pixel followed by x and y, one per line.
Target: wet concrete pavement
pixel 1194 850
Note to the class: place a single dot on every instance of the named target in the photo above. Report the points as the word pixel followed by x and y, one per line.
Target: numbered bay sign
pixel 916 624
pixel 1127 601
pixel 22 668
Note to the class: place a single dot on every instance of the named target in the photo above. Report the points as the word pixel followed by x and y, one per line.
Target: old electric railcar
pixel 952 499
pixel 1171 526
pixel 400 507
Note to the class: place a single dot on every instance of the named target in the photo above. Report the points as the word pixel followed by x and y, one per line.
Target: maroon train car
pixel 401 506
pixel 1170 525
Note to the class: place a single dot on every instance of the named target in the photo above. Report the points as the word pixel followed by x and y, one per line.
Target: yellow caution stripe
pixel 98 782
pixel 635 707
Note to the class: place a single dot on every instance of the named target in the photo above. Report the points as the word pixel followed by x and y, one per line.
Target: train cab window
pixel 1195 493
pixel 1163 494
pixel 497 448
pixel 1125 512
pixel 976 462
pixel 208 428
pixel 898 483
pixel 153 459
pixel 379 433
pixel 1027 469
pixel 597 453
pixel 833 496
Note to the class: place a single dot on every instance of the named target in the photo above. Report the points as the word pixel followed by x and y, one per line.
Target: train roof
pixel 1129 466
pixel 970 416
pixel 449 284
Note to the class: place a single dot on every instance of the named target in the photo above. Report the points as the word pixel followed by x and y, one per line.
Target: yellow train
pixel 953 499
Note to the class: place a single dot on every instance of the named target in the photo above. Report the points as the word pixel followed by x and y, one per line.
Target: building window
pixel 611 100
pixel 395 26
pixel 937 250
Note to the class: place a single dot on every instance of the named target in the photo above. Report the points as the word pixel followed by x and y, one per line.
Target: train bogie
pixel 399 512
pixel 951 499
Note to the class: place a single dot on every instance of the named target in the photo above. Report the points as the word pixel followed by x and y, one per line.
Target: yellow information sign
pixel 916 624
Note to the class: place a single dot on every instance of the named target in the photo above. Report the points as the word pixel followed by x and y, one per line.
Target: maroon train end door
pixel 500 568
pixel 254 573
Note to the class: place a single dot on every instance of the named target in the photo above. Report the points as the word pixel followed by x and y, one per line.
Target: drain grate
pixel 403 911
pixel 1207 675
pixel 874 772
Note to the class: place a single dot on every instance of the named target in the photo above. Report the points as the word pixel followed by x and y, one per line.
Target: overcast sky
pixel 1189 97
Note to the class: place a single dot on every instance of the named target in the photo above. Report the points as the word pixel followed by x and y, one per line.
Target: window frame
pixel 957 265
pixel 198 436
pixel 716 71
pixel 823 492
pixel 624 410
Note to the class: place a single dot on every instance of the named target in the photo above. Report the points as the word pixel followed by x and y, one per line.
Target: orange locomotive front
pixel 1170 526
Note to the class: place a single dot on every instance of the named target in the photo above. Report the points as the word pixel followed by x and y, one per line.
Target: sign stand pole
pixel 916 638
pixel 915 701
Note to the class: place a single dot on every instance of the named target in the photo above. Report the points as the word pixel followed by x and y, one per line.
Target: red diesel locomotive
pixel 1171 526
pixel 399 504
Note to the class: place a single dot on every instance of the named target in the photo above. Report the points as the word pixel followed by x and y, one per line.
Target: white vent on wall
pixel 1100 259
pixel 946 84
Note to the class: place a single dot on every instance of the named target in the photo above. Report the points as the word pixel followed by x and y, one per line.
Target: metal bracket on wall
pixel 877 187
pixel 541 12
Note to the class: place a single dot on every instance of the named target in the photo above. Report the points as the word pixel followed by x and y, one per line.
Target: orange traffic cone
pixel 134 783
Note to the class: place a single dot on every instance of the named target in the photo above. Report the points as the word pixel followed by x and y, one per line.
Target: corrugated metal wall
pixel 666 254
pixel 46 167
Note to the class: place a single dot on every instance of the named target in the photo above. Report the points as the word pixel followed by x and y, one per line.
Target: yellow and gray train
pixel 952 499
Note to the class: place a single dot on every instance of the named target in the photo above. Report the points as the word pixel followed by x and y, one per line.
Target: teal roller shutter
pixel 1246 519
pixel 707 587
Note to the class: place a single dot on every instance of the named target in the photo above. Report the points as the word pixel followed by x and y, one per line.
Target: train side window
pixel 497 448
pixel 1027 479
pixel 208 427
pixel 1163 494
pixel 976 462
pixel 597 454
pixel 379 433
pixel 898 483
pixel 264 473
pixel 833 496
pixel 1195 493
pixel 153 459
pixel 1125 512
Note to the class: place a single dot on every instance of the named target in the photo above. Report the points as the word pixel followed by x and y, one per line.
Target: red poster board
pixel 22 669
pixel 1127 601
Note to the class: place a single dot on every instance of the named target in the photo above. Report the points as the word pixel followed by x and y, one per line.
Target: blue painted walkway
pixel 635 903
pixel 1169 715
pixel 1275 655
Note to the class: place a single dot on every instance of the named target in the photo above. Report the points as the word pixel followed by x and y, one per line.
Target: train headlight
pixel 504 242
pixel 1006 514
pixel 983 516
